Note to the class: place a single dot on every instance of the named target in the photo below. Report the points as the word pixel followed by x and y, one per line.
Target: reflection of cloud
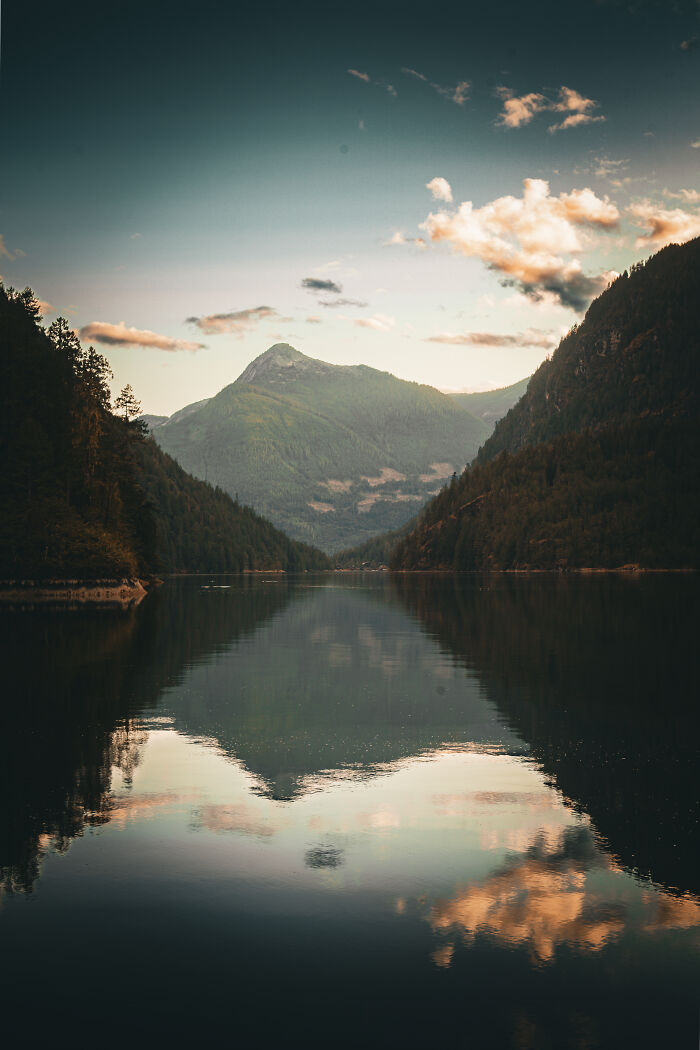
pixel 526 239
pixel 230 818
pixel 324 857
pixel 544 898
pixel 120 335
pixel 126 808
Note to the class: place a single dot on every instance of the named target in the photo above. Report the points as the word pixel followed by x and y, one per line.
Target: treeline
pixel 375 553
pixel 604 499
pixel 82 495
pixel 598 464
pixel 634 355
pixel 201 529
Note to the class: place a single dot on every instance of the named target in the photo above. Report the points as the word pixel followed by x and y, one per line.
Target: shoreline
pixel 77 593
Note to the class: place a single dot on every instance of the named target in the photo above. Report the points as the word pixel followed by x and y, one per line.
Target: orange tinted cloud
pixel 237 322
pixel 663 226
pixel 521 109
pixel 526 239
pixel 120 335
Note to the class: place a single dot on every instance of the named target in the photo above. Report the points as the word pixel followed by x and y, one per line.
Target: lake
pixel 354 810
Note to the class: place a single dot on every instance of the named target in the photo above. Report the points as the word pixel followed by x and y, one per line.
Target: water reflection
pixel 399 794
pixel 600 676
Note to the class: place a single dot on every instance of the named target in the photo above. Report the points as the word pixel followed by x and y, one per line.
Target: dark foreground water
pixel 345 811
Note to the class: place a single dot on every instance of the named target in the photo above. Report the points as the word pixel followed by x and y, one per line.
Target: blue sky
pixel 161 165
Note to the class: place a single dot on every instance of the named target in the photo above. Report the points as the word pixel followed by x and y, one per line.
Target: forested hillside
pixel 332 454
pixel 599 463
pixel 491 405
pixel 83 495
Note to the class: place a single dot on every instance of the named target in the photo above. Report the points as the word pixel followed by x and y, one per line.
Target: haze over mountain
pixel 598 464
pixel 332 454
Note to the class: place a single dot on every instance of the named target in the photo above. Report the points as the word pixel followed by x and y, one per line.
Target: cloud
pixel 44 307
pixel 4 251
pixel 316 284
pixel 440 189
pixel 457 94
pixel 238 321
pixel 341 302
pixel 380 323
pixel 399 238
pixel 369 80
pixel 578 108
pixel 691 44
pixel 135 236
pixel 662 226
pixel 313 320
pixel 120 335
pixel 687 196
pixel 527 239
pixel 695 145
pixel 536 337
pixel 521 109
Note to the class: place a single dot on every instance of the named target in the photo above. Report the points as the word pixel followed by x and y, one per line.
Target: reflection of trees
pixel 342 684
pixel 75 682
pixel 599 674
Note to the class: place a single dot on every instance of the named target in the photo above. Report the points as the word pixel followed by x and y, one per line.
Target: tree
pixel 127 404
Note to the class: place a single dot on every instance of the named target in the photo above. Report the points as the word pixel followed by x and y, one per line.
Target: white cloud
pixel 120 335
pixel 440 189
pixel 695 145
pixel 380 322
pixel 687 196
pixel 399 238
pixel 663 226
pixel 530 240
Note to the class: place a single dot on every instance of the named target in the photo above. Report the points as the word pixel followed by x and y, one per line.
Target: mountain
pixel 84 495
pixel 491 405
pixel 333 454
pixel 598 464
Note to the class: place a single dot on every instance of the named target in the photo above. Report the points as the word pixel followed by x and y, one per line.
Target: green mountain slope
pixel 491 405
pixel 82 495
pixel 599 462
pixel 332 454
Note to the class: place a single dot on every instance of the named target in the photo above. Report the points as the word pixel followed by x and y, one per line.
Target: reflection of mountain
pixel 74 682
pixel 342 682
pixel 599 675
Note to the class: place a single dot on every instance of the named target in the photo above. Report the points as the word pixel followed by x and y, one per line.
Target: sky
pixel 435 191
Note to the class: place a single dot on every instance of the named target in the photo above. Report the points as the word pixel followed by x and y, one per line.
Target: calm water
pixel 341 810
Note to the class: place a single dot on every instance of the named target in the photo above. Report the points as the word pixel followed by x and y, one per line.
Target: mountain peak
pixel 281 363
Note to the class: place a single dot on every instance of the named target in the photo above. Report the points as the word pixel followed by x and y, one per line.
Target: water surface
pixel 350 810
